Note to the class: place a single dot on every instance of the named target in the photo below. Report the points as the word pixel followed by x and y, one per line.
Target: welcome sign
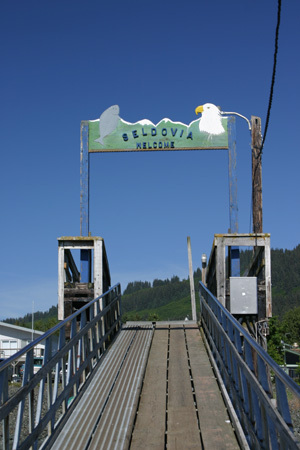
pixel 110 133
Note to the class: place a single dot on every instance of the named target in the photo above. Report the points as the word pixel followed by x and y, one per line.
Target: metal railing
pixel 32 414
pixel 259 390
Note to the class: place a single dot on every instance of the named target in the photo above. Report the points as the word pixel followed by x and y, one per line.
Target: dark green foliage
pixel 285 280
pixel 168 299
pixel 245 259
pixel 136 286
pixel 174 310
pixel 285 331
pixel 286 268
pixel 43 321
pixel 275 340
pixel 158 283
pixel 160 294
pixel 291 326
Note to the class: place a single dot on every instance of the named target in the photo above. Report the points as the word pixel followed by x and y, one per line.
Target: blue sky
pixel 67 61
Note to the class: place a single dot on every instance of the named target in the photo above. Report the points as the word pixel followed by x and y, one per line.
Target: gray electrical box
pixel 243 295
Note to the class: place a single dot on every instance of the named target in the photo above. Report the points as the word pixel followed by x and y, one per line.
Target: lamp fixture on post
pixel 204 261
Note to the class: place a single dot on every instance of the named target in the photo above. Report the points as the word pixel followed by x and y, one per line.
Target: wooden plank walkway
pixel 181 405
pixel 155 389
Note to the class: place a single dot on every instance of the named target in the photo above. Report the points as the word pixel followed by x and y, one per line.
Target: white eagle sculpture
pixel 211 119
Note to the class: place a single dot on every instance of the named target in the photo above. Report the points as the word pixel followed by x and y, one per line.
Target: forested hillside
pixel 285 280
pixel 143 302
pixel 170 298
pixel 43 321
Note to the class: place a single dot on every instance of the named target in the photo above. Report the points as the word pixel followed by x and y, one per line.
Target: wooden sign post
pixel 214 130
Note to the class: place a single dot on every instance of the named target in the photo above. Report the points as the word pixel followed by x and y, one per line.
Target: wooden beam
pixel 232 172
pixel 61 282
pixel 72 265
pixel 221 271
pixel 268 280
pixel 191 274
pixel 84 179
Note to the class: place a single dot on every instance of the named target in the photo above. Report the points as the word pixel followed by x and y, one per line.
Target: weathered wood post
pixel 192 286
pixel 256 175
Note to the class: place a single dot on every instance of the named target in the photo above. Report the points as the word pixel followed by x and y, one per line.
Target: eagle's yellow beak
pixel 199 109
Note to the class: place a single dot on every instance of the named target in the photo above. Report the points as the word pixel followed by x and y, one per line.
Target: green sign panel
pixel 110 133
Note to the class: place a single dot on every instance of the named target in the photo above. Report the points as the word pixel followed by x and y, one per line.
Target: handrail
pixel 47 396
pixel 246 370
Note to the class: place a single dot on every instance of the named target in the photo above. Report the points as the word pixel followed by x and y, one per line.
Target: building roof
pixel 16 327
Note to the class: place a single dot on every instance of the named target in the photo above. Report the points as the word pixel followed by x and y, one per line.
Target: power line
pixel 273 76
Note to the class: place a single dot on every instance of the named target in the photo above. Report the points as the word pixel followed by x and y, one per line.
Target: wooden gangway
pixel 156 389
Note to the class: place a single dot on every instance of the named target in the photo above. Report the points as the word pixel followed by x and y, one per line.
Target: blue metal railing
pixel 31 415
pixel 258 388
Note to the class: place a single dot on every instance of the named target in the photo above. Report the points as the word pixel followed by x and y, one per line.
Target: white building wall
pixel 14 338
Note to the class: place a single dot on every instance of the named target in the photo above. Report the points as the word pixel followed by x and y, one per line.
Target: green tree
pixel 291 325
pixel 275 340
pixel 135 286
pixel 153 317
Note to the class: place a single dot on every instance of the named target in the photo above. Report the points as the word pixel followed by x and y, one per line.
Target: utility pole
pixel 256 175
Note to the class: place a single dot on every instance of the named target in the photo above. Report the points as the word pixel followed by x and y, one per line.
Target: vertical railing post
pixel 3 399
pixel 28 374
